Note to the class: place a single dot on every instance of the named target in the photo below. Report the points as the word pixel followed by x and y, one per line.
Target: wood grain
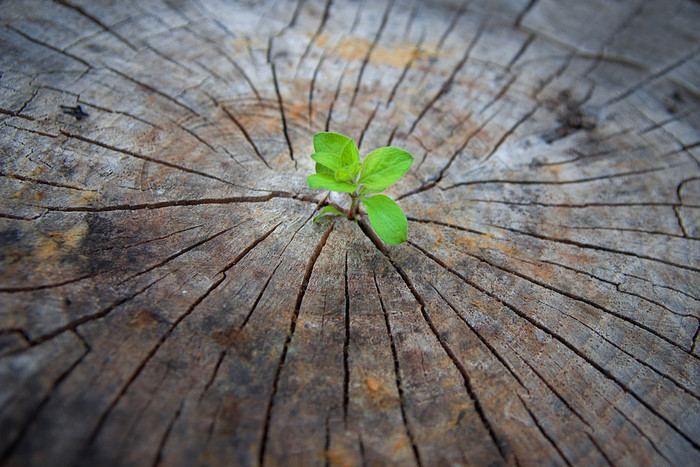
pixel 165 298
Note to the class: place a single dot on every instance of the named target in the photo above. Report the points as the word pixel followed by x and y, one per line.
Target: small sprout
pixel 338 168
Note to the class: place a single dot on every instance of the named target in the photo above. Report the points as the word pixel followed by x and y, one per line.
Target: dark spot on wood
pixel 226 338
pixel 99 231
pixel 570 116
pixel 100 235
pixel 66 170
pixel 10 239
pixel 674 102
pixel 460 417
pixel 142 319
pixel 76 111
pixel 229 415
pixel 12 340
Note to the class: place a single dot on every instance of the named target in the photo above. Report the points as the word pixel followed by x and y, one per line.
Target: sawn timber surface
pixel 166 299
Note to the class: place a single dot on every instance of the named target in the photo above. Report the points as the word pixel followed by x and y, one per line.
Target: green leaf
pixel 382 168
pixel 330 142
pixel 387 218
pixel 330 160
pixel 327 210
pixel 350 154
pixel 320 169
pixel 349 173
pixel 328 182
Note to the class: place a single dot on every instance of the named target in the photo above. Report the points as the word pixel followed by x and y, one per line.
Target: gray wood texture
pixel 165 298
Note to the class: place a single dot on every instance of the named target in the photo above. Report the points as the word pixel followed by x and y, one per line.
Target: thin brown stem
pixel 353 206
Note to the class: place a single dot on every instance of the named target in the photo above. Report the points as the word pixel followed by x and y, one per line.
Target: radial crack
pixel 589 246
pixel 538 424
pixel 312 86
pixel 644 435
pixel 695 340
pixel 214 372
pixel 48 46
pixel 335 98
pixel 500 94
pixel 72 326
pixel 372 46
pixel 560 182
pixel 397 375
pixel 182 202
pixel 31 418
pixel 369 122
pixel 42 182
pixel 281 106
pixel 486 343
pixel 290 333
pixel 617 285
pixel 153 90
pixel 33 288
pixel 574 349
pixel 584 300
pixel 161 446
pixel 446 348
pixel 455 19
pixel 36 132
pixel 267 282
pixel 511 130
pixel 530 39
pixel 196 136
pixel 448 83
pixel 521 15
pixel 245 134
pixel 179 253
pixel 229 59
pixel 99 23
pixel 346 345
pixel 432 183
pixel 145 158
pixel 103 418
pixel 553 390
pixel 322 24
pixel 651 78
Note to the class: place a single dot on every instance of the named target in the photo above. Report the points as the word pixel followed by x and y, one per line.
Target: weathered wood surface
pixel 165 298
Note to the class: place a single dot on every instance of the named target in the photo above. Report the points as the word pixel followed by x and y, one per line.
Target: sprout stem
pixel 353 206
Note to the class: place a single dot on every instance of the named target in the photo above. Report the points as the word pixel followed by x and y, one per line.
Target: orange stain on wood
pixel 339 457
pixel 85 198
pixel 466 242
pixel 555 169
pixel 542 271
pixel 356 48
pixel 397 56
pixel 58 244
pixel 372 384
pixel 400 444
pixel 486 242
pixel 439 236
pixel 141 319
pixel 379 392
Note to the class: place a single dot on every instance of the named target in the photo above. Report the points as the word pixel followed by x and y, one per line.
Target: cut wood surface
pixel 166 299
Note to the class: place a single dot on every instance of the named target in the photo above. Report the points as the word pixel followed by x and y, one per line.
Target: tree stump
pixel 165 297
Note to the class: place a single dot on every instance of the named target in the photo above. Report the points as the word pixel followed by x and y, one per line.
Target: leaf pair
pixel 338 168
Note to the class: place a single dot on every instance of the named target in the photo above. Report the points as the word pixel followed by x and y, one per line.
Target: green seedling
pixel 338 168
